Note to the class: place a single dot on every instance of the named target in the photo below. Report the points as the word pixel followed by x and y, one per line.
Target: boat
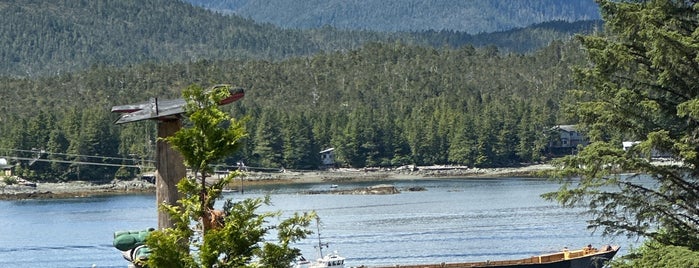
pixel 587 257
pixel 332 260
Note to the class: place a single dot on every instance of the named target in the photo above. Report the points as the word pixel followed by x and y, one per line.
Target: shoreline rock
pixel 73 189
pixel 371 190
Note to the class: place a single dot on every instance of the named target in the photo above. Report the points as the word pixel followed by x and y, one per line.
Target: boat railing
pixel 552 257
pixel 546 258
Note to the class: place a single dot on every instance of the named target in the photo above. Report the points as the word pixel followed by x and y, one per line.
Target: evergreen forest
pixel 380 102
pixel 471 16
pixel 39 38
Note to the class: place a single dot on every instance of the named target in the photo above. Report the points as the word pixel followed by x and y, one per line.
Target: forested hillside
pixel 52 37
pixel 381 105
pixel 468 16
pixel 430 97
pixel 60 36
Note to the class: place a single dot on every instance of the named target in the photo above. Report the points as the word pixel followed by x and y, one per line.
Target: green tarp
pixel 127 240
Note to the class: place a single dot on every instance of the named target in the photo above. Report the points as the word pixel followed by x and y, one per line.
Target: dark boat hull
pixel 591 260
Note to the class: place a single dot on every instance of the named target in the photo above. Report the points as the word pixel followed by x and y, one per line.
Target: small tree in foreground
pixel 203 236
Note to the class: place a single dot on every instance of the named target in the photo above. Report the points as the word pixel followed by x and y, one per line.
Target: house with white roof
pixel 5 168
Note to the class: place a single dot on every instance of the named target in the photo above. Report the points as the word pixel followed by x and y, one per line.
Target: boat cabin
pixel 331 260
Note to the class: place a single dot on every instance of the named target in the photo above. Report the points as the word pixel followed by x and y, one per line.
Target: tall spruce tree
pixel 299 151
pixel 642 85
pixel 267 151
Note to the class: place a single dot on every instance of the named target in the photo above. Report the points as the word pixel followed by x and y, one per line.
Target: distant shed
pixel 327 157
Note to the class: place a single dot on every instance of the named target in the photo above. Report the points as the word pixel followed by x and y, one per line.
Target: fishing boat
pixel 587 257
pixel 332 260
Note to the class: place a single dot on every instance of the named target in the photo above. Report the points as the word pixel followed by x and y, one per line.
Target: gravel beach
pixel 30 190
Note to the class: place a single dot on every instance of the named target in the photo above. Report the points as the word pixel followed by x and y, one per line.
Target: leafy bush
pixel 9 180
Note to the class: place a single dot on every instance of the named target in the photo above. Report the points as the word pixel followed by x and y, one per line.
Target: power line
pixel 78 155
pixel 220 166
pixel 70 162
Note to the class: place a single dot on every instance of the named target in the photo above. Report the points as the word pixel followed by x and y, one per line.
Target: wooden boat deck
pixel 540 260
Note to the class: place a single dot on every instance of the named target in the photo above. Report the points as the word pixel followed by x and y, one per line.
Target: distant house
pixel 655 154
pixel 327 157
pixel 5 167
pixel 567 140
pixel 628 144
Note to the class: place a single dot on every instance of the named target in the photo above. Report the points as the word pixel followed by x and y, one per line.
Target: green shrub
pixel 9 180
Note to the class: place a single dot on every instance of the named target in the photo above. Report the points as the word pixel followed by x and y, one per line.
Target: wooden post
pixel 170 170
pixel 169 163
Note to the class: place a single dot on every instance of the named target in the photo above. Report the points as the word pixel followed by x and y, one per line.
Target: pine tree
pixel 300 152
pixel 642 85
pixel 267 152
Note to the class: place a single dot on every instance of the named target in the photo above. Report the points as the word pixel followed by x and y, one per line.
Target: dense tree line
pixel 382 105
pixel 39 38
pixel 63 36
pixel 407 15
pixel 520 40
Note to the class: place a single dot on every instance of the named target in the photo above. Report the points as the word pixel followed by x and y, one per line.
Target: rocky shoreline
pixel 74 189
pixel 78 189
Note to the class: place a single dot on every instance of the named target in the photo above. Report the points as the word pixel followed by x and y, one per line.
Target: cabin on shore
pixel 327 158
pixel 567 140
pixel 5 167
pixel 654 155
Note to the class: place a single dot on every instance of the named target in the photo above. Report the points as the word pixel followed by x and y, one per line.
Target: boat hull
pixel 591 260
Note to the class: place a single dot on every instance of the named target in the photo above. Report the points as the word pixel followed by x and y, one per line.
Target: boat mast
pixel 320 243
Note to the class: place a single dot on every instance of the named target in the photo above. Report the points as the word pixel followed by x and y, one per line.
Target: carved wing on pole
pixel 164 109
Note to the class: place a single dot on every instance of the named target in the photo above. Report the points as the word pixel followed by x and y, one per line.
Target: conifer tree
pixel 235 235
pixel 642 85
pixel 267 151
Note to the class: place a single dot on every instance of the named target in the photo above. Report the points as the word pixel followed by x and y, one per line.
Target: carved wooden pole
pixel 170 170
pixel 169 163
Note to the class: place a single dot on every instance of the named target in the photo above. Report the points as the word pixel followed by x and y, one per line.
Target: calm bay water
pixel 453 220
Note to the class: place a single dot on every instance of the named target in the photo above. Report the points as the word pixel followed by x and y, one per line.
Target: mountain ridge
pixel 470 16
pixel 41 38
